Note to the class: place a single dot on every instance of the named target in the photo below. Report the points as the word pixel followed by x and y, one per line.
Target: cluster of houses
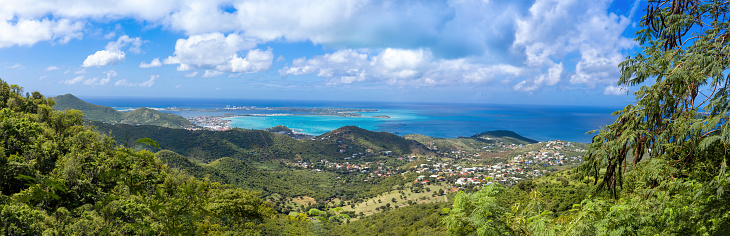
pixel 459 172
pixel 523 166
pixel 215 123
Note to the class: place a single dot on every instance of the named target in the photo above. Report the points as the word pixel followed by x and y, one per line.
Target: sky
pixel 556 52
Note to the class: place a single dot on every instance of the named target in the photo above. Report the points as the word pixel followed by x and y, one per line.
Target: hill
pixel 474 143
pixel 139 116
pixel 375 141
pixel 504 136
pixel 58 177
pixel 207 146
pixel 91 111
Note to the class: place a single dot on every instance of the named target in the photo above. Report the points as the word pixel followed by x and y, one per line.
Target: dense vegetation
pixel 505 136
pixel 139 116
pixel 422 219
pixel 659 169
pixel 58 177
pixel 206 146
pixel 674 140
pixel 376 141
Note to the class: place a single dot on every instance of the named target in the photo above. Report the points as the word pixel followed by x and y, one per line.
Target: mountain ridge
pixel 139 116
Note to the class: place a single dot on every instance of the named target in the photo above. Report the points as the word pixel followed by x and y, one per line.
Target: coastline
pixel 435 120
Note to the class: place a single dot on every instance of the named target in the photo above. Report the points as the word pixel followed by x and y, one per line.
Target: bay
pixel 441 120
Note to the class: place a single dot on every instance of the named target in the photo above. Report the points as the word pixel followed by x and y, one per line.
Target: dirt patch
pixel 304 200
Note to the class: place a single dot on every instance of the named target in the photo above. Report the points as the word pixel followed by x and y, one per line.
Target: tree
pixel 681 119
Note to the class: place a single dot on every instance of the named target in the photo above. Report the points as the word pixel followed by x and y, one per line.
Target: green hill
pixel 91 111
pixel 207 146
pixel 140 116
pixel 473 143
pixel 58 177
pixel 375 141
pixel 505 136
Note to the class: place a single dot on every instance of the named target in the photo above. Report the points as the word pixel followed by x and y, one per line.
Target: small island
pixel 385 117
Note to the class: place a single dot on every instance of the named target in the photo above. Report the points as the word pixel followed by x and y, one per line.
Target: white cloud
pixel 16 66
pixel 109 76
pixel 147 83
pixel 211 73
pixel 191 74
pixel 556 29
pixel 398 67
pixel 425 43
pixel 550 78
pixel 26 32
pixel 217 52
pixel 154 63
pixel 90 81
pixel 113 53
pixel 52 68
pixel 42 77
pixel 104 58
pixel 614 90
pixel 73 81
pixel 255 61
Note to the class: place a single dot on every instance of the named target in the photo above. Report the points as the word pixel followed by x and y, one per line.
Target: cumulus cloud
pixel 211 73
pixel 154 63
pixel 147 83
pixel 550 78
pixel 26 32
pixel 191 74
pixel 52 68
pixel 555 29
pixel 104 58
pixel 614 90
pixel 399 67
pixel 113 53
pixel 218 52
pixel 90 81
pixel 109 76
pixel 425 43
pixel 72 81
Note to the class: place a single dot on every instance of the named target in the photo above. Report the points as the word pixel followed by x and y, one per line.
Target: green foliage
pixel 422 219
pixel 477 213
pixel 208 146
pixel 139 116
pixel 376 141
pixel 675 138
pixel 682 117
pixel 59 178
pixel 505 136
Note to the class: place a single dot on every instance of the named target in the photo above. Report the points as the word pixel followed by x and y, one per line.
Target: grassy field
pixel 371 205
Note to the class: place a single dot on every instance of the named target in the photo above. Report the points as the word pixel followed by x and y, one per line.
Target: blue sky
pixel 561 52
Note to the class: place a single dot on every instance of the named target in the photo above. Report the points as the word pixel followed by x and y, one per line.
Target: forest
pixel 659 169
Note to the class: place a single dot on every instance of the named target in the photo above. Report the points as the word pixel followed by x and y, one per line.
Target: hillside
pixel 207 146
pixel 474 143
pixel 58 177
pixel 504 136
pixel 375 141
pixel 91 111
pixel 139 116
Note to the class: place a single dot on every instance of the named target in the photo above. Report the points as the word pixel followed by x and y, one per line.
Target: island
pixel 384 117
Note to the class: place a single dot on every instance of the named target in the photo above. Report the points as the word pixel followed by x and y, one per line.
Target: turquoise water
pixel 541 123
pixel 319 124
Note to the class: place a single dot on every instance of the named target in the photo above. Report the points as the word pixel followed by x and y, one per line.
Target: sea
pixel 442 120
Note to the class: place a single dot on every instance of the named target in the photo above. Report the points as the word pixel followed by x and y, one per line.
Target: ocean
pixel 542 123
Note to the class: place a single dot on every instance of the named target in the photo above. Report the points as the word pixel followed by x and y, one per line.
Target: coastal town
pixel 462 171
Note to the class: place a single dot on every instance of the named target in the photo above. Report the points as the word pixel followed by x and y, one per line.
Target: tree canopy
pixel 681 117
